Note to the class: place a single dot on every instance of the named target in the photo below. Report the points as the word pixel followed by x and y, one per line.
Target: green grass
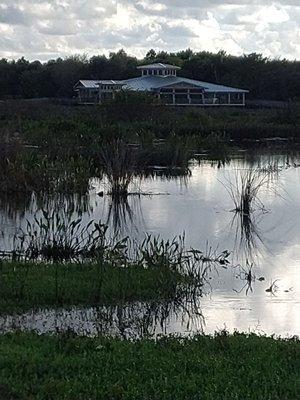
pixel 25 286
pixel 237 367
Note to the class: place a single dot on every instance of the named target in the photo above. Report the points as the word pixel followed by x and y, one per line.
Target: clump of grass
pixel 26 170
pixel 173 153
pixel 158 253
pixel 245 188
pixel 54 237
pixel 119 161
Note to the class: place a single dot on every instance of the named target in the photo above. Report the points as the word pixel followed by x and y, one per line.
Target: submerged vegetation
pixel 223 367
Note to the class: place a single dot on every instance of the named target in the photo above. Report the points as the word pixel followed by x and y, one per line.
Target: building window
pixel 155 72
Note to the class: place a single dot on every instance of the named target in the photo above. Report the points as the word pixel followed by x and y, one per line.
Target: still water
pixel 200 207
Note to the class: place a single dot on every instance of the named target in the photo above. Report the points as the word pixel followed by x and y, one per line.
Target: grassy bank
pixel 237 367
pixel 26 286
pixel 84 265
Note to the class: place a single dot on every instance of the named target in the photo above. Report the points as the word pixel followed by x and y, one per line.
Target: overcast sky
pixel 40 29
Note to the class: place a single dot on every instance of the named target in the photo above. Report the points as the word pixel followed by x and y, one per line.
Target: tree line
pixel 266 78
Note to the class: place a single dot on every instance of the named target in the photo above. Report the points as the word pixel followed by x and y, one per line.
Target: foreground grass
pixel 33 285
pixel 237 367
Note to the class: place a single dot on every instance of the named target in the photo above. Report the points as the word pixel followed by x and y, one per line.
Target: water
pixel 200 207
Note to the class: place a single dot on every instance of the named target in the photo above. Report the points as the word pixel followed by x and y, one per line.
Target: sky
pixel 39 29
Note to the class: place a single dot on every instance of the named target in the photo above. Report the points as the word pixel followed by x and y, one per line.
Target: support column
pixel 100 94
pixel 174 102
pixel 229 98
pixel 203 98
pixel 244 99
pixel 189 96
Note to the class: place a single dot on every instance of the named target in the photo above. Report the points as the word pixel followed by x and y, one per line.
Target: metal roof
pixel 93 84
pixel 158 66
pixel 149 83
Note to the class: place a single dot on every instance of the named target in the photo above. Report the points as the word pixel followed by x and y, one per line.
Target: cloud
pixel 42 29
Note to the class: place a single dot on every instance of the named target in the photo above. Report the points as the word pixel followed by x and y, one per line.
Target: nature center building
pixel 162 80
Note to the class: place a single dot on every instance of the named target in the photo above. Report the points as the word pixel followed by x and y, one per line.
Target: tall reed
pixel 244 189
pixel 119 161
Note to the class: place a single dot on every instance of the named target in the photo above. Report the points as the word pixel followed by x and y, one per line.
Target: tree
pixel 267 79
pixel 151 55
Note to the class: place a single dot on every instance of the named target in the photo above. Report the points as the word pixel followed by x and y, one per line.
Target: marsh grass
pixel 52 244
pixel 59 237
pixel 26 170
pixel 58 148
pixel 245 187
pixel 119 165
pixel 158 253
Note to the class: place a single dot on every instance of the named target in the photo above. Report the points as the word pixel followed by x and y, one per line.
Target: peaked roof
pixel 158 66
pixel 148 83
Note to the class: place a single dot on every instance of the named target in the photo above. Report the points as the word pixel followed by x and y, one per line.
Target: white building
pixel 162 80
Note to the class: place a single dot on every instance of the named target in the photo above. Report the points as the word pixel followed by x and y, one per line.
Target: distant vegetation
pixel 45 146
pixel 265 78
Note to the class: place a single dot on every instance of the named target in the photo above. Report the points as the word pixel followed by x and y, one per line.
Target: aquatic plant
pixel 273 287
pixel 244 189
pixel 247 275
pixel 155 252
pixel 248 239
pixel 118 160
pixel 55 237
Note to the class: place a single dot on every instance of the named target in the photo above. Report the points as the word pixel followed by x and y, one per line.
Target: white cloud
pixel 43 29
